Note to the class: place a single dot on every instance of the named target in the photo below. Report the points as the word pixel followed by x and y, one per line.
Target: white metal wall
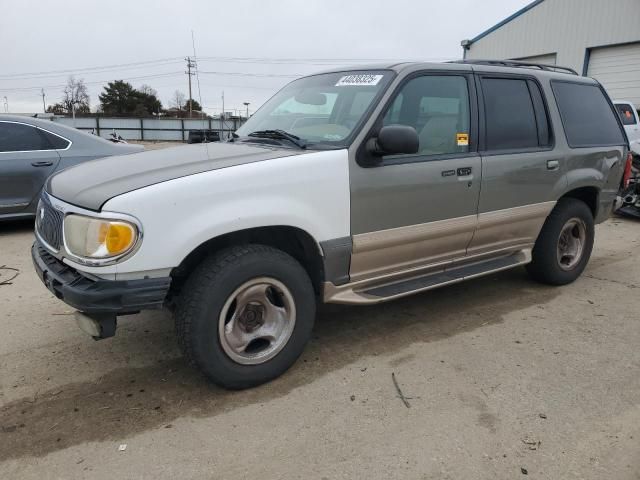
pixel 165 129
pixel 564 27
pixel 548 59
pixel 618 69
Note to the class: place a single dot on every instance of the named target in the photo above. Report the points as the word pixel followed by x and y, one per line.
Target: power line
pixel 259 75
pixel 159 75
pixel 318 61
pixel 174 60
pixel 83 73
pixel 97 82
pixel 87 69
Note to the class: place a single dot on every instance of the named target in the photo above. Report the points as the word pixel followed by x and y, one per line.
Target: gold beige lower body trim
pixel 357 293
pixel 398 249
pixel 396 255
pixel 511 226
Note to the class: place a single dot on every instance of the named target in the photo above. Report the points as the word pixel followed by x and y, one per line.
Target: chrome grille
pixel 49 223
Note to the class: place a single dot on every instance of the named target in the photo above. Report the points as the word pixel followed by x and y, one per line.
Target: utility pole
pixel 246 104
pixel 222 116
pixel 44 108
pixel 190 64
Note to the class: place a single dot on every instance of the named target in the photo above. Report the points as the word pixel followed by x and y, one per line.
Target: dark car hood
pixel 91 184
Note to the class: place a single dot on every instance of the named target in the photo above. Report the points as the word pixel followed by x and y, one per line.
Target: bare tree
pixel 75 96
pixel 178 100
pixel 148 90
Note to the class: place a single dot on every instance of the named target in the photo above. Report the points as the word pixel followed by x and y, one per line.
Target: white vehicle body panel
pixel 308 191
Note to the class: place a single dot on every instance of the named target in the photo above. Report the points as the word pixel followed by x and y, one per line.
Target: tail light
pixel 627 171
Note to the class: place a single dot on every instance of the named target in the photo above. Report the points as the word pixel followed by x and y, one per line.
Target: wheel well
pixel 588 195
pixel 294 241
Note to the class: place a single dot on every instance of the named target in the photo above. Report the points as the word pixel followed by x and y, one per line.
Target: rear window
pixel 587 116
pixel 626 113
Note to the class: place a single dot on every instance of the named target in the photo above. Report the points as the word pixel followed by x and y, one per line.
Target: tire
pixel 262 291
pixel 552 263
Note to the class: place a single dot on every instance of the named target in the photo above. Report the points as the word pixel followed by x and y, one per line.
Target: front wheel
pixel 564 245
pixel 245 315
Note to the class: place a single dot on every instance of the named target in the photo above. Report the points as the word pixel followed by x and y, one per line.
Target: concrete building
pixel 598 38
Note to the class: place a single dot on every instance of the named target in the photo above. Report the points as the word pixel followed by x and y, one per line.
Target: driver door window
pixel 437 107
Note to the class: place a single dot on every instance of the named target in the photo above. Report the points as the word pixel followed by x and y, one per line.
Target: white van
pixel 629 115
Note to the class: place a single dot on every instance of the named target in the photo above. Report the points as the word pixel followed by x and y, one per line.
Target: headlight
pixel 96 238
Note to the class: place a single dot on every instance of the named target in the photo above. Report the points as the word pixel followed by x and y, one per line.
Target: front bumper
pixel 97 296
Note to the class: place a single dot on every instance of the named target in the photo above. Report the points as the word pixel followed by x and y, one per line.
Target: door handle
pixel 553 164
pixel 44 163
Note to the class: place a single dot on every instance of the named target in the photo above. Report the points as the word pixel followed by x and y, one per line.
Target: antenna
pixel 195 61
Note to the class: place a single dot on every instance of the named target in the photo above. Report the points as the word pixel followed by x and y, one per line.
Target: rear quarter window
pixel 587 116
pixel 55 141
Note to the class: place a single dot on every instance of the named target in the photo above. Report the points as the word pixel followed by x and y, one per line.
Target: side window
pixel 626 113
pixel 510 117
pixel 17 137
pixel 587 117
pixel 55 141
pixel 437 106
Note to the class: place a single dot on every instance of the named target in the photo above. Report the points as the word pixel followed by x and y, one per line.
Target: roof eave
pixel 523 10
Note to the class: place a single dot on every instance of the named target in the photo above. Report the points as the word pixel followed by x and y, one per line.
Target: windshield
pixel 322 110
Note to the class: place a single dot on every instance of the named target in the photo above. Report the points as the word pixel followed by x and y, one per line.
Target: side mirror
pixel 395 140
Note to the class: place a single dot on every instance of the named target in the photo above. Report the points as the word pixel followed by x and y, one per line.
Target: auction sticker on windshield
pixel 361 79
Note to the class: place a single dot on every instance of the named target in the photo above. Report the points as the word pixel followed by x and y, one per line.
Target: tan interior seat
pixel 439 135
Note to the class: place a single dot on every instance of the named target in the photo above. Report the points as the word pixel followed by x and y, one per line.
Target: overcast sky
pixel 260 45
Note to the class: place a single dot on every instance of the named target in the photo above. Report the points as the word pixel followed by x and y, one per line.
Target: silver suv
pixel 351 186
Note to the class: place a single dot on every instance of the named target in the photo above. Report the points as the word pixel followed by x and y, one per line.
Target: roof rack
pixel 517 63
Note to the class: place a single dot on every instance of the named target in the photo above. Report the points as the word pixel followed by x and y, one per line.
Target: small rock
pixel 524 471
pixel 353 397
pixel 122 447
pixel 542 415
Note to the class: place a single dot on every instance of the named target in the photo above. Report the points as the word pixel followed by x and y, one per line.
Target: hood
pixel 90 184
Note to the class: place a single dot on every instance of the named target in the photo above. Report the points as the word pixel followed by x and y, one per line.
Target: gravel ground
pixel 502 377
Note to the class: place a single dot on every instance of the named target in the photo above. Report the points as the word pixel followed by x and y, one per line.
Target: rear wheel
pixel 564 245
pixel 245 315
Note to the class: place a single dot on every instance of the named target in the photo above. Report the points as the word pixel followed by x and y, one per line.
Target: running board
pixel 408 286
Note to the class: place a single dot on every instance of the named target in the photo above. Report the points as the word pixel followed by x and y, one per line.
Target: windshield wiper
pixel 279 135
